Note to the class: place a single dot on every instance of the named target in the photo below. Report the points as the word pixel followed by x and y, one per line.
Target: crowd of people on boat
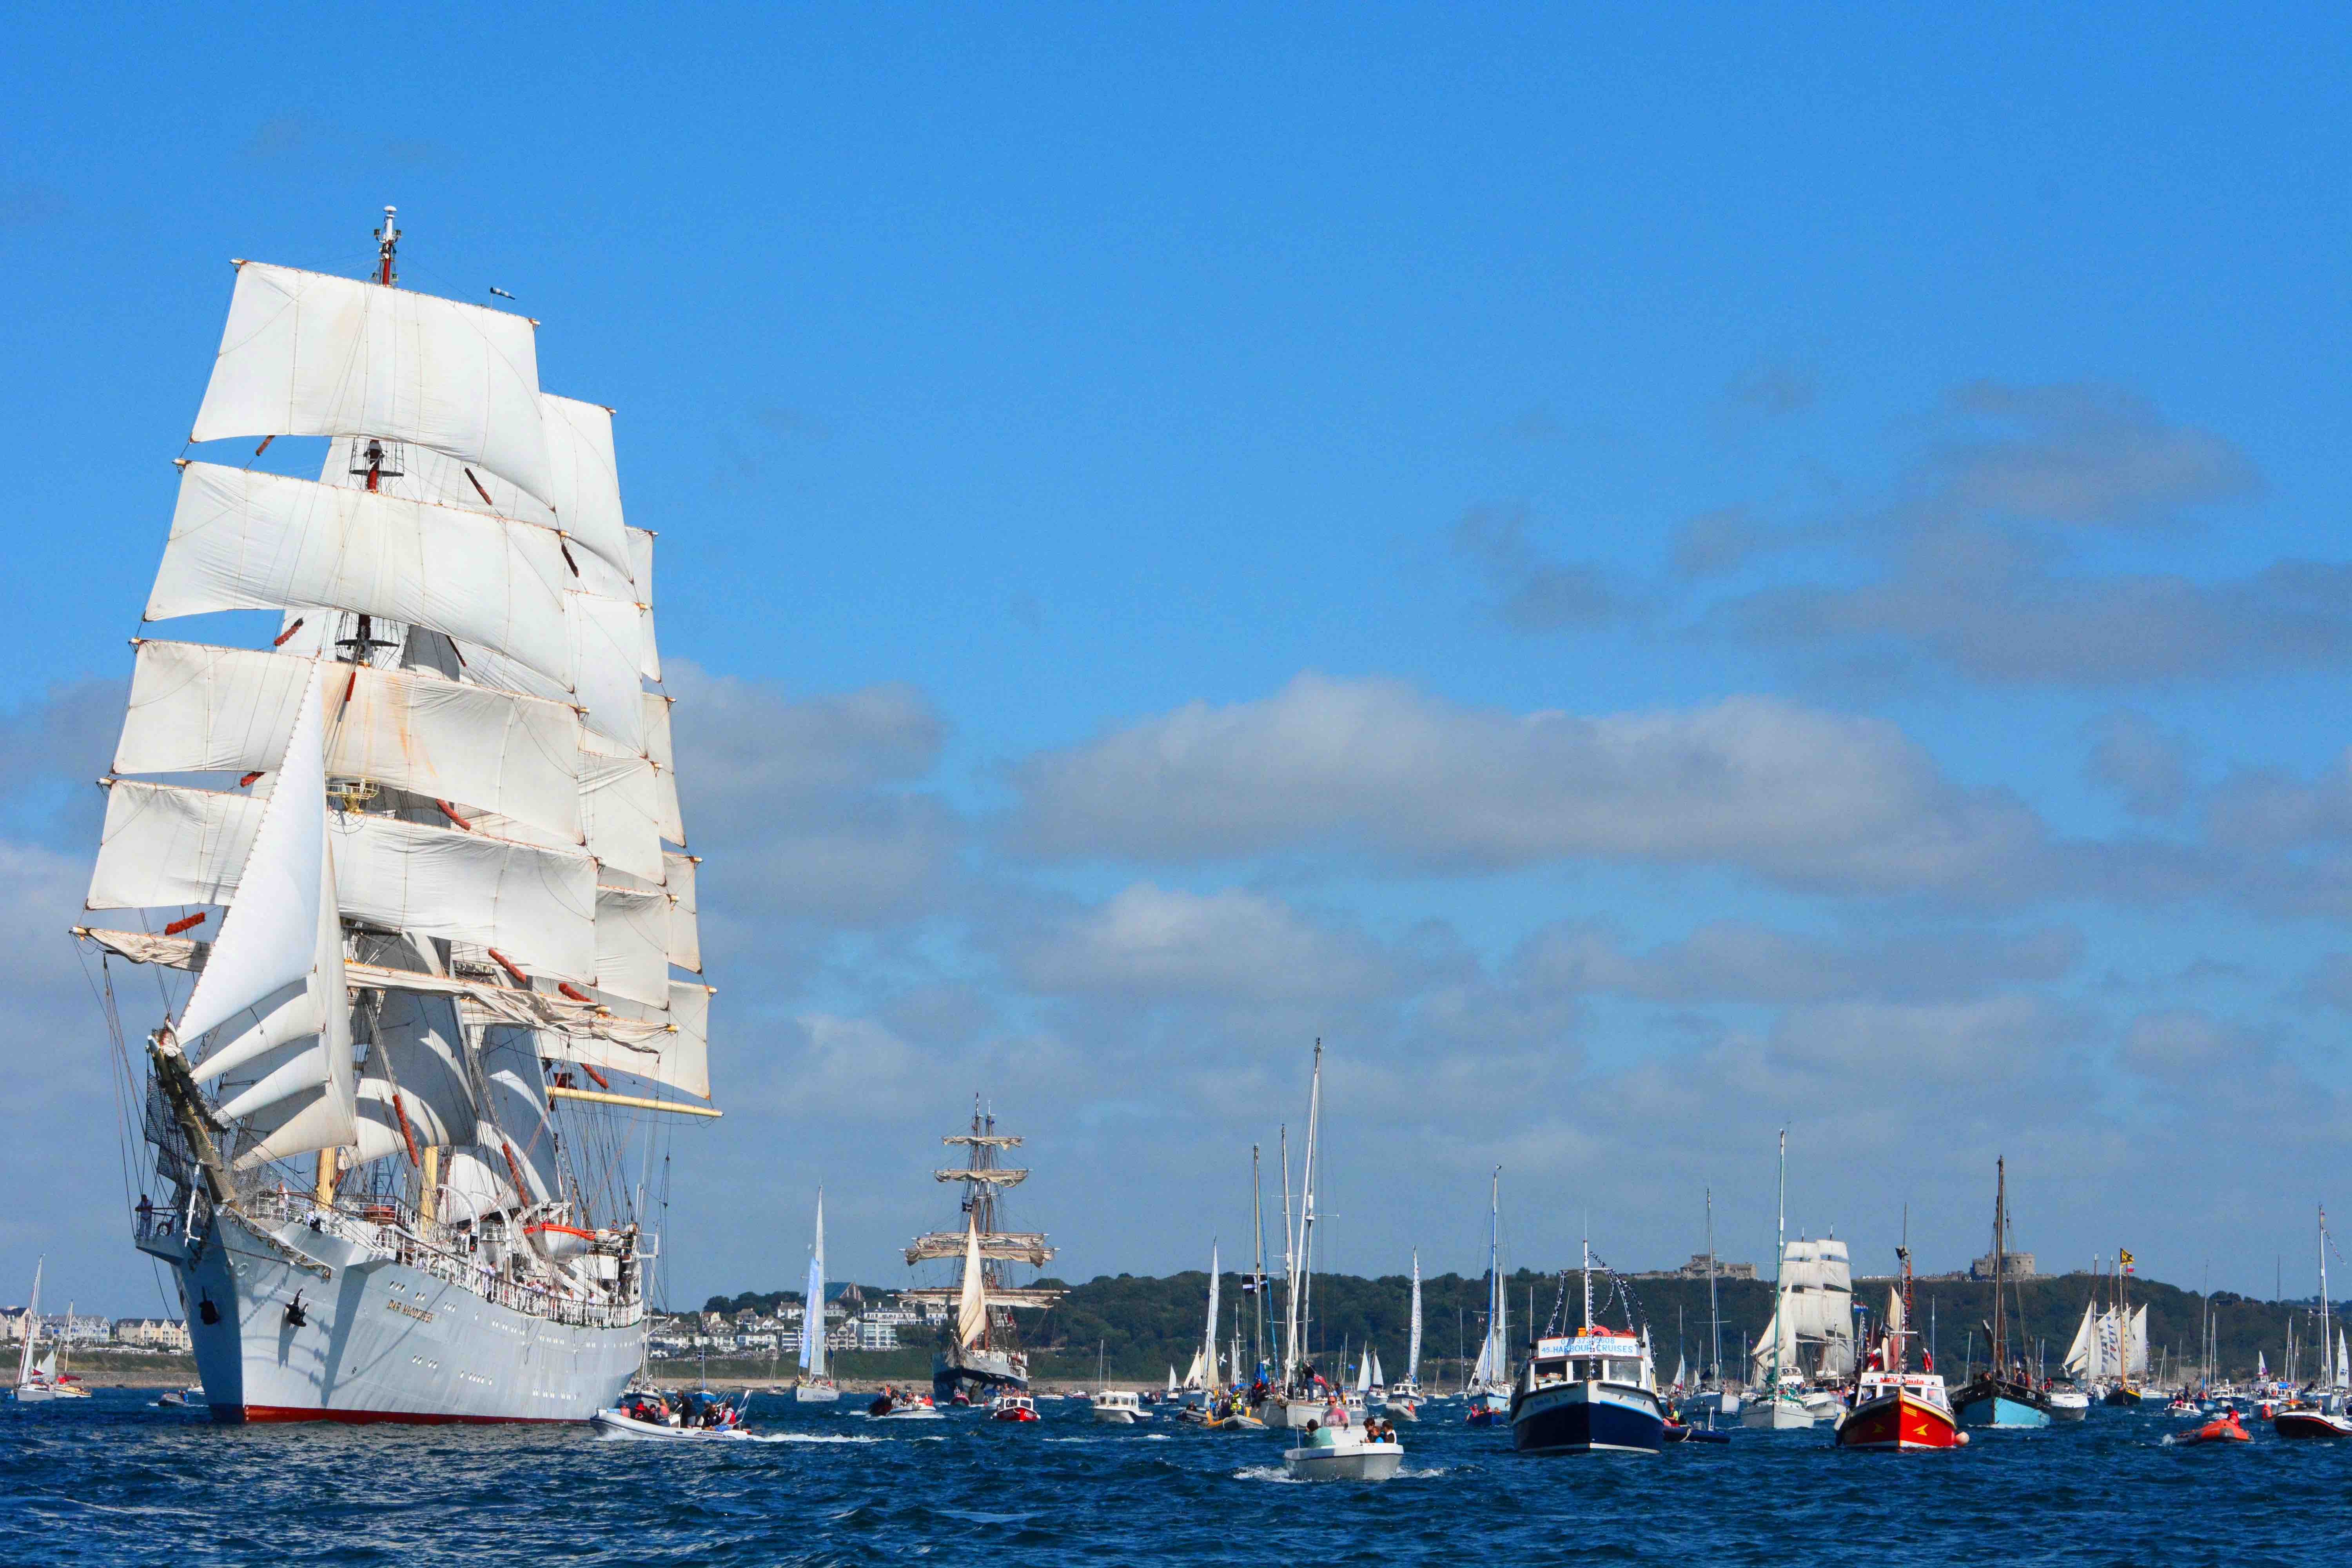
pixel 694 1412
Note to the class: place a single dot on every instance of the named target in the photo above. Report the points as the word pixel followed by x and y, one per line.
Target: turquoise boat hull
pixel 2000 1412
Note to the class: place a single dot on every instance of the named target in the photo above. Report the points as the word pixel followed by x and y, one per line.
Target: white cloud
pixel 1154 942
pixel 1794 794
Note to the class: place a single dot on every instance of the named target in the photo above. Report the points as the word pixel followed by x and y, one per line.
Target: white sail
pixel 813 1301
pixel 2343 1362
pixel 2138 1367
pixel 269 940
pixel 972 1304
pixel 587 505
pixel 242 540
pixel 307 355
pixel 164 846
pixel 1209 1340
pixel 620 809
pixel 632 944
pixel 518 1119
pixel 1413 1340
pixel 659 748
pixel 678 1056
pixel 2084 1362
pixel 298 1095
pixel 195 709
pixel 1378 1381
pixel 413 1088
pixel 1195 1375
pixel 32 1326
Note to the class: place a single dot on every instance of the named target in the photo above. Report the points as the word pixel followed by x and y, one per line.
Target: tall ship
pixel 984 1354
pixel 411 868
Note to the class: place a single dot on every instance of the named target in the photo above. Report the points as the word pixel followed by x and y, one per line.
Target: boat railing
pixel 394 1231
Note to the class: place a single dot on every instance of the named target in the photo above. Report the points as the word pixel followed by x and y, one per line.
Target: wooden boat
pixel 2002 1394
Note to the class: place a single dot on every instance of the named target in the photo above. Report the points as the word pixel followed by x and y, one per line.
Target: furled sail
pixel 307 355
pixel 195 709
pixel 678 1055
pixel 243 540
pixel 166 845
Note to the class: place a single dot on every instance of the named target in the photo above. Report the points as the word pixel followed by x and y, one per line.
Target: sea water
pixel 116 1480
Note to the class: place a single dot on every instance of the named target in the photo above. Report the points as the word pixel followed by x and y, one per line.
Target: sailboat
pixel 1489 1393
pixel 1219 1409
pixel 1405 1396
pixel 1712 1403
pixel 816 1385
pixel 2003 1395
pixel 2327 1416
pixel 1778 1407
pixel 2131 1339
pixel 435 895
pixel 1594 1391
pixel 983 1357
pixel 1298 1393
pixel 39 1382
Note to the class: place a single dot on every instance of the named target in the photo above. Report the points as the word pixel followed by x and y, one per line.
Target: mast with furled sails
pixel 419 849
pixel 983 1351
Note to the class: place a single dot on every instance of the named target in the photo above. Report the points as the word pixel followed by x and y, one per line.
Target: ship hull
pixel 1587 1418
pixel 1898 1421
pixel 977 1374
pixel 380 1341
pixel 1980 1406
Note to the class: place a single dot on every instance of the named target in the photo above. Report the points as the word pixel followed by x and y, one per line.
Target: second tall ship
pixel 983 1355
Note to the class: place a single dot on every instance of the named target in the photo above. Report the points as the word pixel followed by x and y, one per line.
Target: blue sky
pixel 1130 483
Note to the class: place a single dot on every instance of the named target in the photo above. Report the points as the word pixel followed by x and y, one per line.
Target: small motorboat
pixel 1120 1407
pixel 899 1404
pixel 620 1424
pixel 2068 1404
pixel 2223 1428
pixel 1013 1408
pixel 1343 1454
pixel 2303 1421
pixel 694 1417
pixel 189 1398
pixel 1683 1432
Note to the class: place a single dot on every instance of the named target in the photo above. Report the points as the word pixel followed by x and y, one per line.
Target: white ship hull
pixel 381 1340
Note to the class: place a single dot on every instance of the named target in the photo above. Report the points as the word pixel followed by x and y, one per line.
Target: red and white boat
pixel 1894 1408
pixel 1900 1410
pixel 1013 1408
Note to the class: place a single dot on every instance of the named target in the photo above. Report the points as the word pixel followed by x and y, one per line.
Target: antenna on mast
pixel 387 240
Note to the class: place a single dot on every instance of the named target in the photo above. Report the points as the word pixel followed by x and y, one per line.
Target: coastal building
pixel 2019 1265
pixel 153 1333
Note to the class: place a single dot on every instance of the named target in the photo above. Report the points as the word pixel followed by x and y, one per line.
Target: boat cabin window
pixel 1545 1369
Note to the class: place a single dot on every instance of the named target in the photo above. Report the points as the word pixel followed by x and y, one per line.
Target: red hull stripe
pixel 370 1417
